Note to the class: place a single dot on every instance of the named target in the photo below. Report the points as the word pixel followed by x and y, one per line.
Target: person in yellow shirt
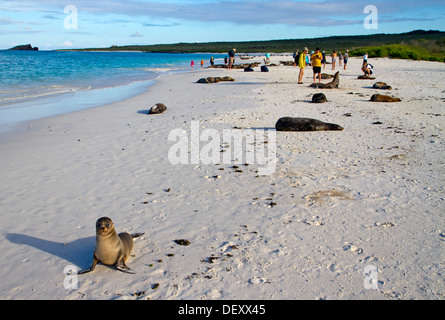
pixel 316 64
pixel 302 65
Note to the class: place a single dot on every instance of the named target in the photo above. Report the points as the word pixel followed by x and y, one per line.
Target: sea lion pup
pixel 304 124
pixel 111 249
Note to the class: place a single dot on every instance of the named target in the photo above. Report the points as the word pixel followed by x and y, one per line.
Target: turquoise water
pixel 41 84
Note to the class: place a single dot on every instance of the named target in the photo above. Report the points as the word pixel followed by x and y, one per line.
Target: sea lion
pixel 331 85
pixel 111 249
pixel 319 98
pixel 214 79
pixel 304 124
pixel 384 98
pixel 157 108
pixel 365 78
pixel 381 85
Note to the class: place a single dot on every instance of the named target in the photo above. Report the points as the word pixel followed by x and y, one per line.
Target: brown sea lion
pixel 384 98
pixel 111 249
pixel 381 85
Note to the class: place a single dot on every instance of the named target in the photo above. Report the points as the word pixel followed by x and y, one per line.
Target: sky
pixel 69 24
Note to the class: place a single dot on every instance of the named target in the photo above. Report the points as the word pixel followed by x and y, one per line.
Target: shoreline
pixel 337 204
pixel 18 115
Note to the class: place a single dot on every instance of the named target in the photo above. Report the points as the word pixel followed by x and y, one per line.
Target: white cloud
pixel 247 12
pixel 67 44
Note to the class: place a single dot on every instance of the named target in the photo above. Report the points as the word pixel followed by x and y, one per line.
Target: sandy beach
pixel 352 214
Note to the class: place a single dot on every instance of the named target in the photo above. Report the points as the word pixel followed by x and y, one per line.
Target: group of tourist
pixel 317 60
pixel 302 59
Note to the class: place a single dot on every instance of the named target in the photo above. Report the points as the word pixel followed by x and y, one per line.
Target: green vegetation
pixel 417 45
pixel 415 50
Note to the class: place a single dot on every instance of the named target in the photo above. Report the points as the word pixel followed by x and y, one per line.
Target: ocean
pixel 39 84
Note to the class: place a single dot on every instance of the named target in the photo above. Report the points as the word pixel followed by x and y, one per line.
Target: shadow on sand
pixel 78 252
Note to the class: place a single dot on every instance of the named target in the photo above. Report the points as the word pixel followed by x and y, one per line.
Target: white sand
pixel 371 196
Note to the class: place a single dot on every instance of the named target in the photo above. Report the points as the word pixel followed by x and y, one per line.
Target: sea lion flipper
pixel 137 235
pixel 93 265
pixel 121 266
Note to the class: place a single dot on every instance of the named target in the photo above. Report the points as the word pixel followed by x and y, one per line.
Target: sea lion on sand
pixel 157 108
pixel 331 85
pixel 365 78
pixel 319 98
pixel 304 124
pixel 111 249
pixel 214 79
pixel 381 85
pixel 384 98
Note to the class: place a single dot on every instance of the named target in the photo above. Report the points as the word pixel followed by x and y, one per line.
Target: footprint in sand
pixel 324 195
pixel 257 280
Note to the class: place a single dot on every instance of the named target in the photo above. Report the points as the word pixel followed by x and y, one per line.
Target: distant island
pixel 25 47
pixel 416 45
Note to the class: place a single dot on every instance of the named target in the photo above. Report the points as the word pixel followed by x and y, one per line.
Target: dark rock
pixel 248 69
pixel 157 109
pixel 182 242
pixel 264 69
pixel 26 47
pixel 319 98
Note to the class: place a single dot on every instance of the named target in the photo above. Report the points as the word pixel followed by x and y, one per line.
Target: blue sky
pixel 102 23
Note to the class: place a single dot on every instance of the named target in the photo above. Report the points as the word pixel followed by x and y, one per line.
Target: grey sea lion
pixel 305 124
pixel 111 249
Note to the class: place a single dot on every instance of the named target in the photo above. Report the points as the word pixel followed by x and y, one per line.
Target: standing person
pixel 365 58
pixel 226 60
pixel 308 58
pixel 323 61
pixel 301 57
pixel 345 59
pixel 334 59
pixel 202 63
pixel 192 64
pixel 267 61
pixel 296 57
pixel 212 61
pixel 231 58
pixel 316 64
pixel 340 58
